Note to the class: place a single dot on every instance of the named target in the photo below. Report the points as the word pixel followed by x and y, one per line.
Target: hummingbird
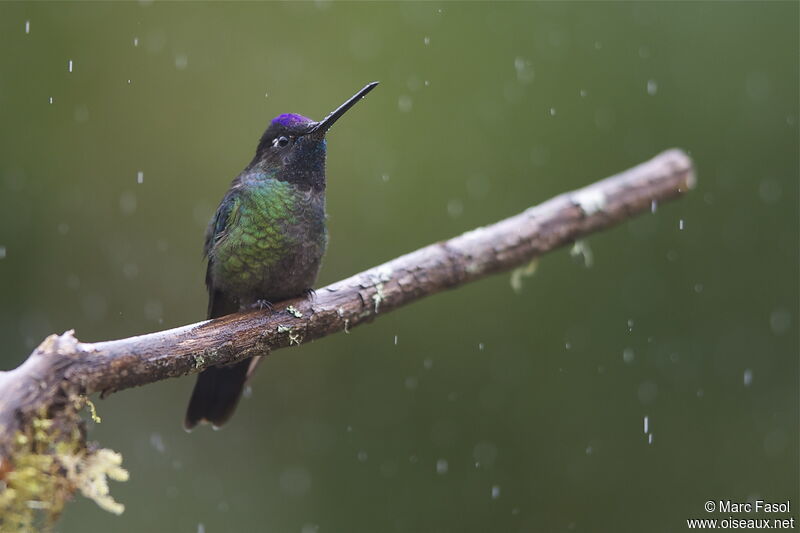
pixel 265 242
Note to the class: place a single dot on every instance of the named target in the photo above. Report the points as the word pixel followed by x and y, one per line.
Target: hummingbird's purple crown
pixel 291 119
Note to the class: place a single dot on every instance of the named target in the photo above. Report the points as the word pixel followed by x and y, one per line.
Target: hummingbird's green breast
pixel 270 241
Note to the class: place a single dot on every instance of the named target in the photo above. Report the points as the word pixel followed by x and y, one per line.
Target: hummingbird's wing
pixel 218 389
pixel 226 213
pixel 218 303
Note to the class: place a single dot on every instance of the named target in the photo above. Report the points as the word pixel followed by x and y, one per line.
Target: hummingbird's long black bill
pixel 321 127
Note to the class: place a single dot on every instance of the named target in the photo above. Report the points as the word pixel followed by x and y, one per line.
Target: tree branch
pixel 62 368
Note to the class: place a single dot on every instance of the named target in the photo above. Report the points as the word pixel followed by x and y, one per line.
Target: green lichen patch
pixel 48 462
pixel 518 274
pixel 378 297
pixel 199 361
pixel 581 252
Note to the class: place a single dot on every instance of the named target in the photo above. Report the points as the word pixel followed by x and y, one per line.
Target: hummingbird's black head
pixel 293 147
pixel 289 153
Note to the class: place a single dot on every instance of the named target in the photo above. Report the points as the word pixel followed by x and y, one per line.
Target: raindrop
pixel 69 67
pixel 552 111
pixel 780 320
pixel 127 203
pixel 395 340
pixel 628 355
pixel 747 377
pixel 680 224
pixel 413 83
pixel 441 466
pixel 455 207
pixel 584 93
pixel 404 103
pixel 135 41
pixel 426 40
pixel 480 346
pixel 201 528
pixel 652 87
pixel 157 442
pixel 427 83
pixel 653 206
pixel 140 177
pixel 567 345
pixel 362 456
pixel 650 438
pixel 525 73
pixel 630 324
pixel 2 252
pixel 27 27
pixel 495 492
pixel 181 61
pixel 51 99
pixel 698 287
pixel 427 363
pixel 129 82
pixel 385 177
pixel 646 424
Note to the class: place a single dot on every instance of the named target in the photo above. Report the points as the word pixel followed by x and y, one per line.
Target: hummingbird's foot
pixel 310 293
pixel 262 304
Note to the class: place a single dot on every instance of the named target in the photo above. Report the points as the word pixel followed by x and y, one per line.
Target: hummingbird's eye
pixel 280 141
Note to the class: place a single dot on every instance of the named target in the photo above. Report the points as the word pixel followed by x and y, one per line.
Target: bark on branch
pixel 62 368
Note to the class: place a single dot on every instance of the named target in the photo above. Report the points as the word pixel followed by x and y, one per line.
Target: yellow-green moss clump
pixel 46 466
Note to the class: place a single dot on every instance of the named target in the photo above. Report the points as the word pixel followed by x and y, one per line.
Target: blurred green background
pixel 476 410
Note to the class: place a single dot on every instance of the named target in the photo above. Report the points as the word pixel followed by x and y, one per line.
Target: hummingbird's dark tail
pixel 218 389
pixel 216 394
